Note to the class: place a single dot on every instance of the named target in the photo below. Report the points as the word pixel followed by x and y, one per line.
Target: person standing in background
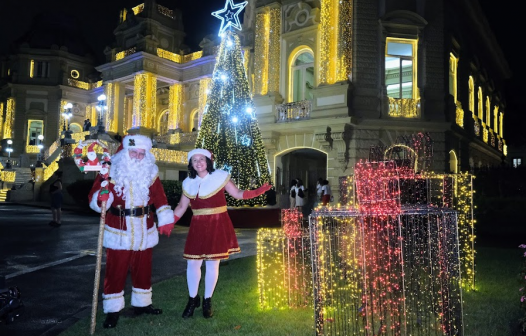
pixel 292 194
pixel 326 193
pixel 300 195
pixel 55 192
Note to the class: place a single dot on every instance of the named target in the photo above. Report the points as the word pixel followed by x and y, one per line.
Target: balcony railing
pixel 404 107
pixel 177 138
pixel 299 110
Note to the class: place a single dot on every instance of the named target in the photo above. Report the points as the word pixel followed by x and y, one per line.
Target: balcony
pixel 177 138
pixel 404 107
pixel 294 111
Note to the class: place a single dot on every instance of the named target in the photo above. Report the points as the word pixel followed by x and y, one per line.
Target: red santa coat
pixel 132 233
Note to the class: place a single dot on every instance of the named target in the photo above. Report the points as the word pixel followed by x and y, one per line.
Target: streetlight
pixel 67 114
pixel 101 108
pixel 9 149
pixel 40 148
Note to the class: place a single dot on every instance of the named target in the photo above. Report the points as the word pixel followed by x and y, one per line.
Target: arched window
pixel 302 76
pixel 163 123
pixel 480 104
pixel 471 87
pixel 75 128
pixel 453 162
pixel 453 64
pixel 488 112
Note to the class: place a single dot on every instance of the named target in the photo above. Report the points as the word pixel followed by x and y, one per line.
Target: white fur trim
pixel 93 204
pixel 138 141
pixel 113 303
pixel 206 186
pixel 201 151
pixel 141 297
pixel 165 215
pixel 123 240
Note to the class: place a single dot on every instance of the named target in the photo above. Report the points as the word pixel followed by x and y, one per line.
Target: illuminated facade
pixel 329 80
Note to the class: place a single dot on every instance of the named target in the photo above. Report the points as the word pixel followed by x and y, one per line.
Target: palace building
pixel 334 82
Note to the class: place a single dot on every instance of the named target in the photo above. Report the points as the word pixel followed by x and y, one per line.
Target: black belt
pixel 133 212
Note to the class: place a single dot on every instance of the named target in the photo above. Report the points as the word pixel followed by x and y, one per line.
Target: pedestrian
pixel 300 195
pixel 88 125
pixel 84 127
pixel 319 184
pixel 326 193
pixel 130 233
pixel 211 236
pixel 55 192
pixel 292 193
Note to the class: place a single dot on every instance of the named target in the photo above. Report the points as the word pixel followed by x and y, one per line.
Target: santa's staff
pixel 103 197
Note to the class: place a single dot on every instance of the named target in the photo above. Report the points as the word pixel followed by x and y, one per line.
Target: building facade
pixel 331 80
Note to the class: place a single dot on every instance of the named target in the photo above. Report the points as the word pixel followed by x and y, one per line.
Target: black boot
pixel 193 302
pixel 207 308
pixel 147 310
pixel 111 320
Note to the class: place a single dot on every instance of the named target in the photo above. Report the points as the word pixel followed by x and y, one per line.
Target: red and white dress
pixel 211 235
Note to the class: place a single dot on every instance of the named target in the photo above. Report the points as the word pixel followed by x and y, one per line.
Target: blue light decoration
pixel 229 15
pixel 245 140
pixel 227 168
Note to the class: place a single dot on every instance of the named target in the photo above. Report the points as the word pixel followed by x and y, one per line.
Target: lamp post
pixel 9 149
pixel 67 114
pixel 101 108
pixel 40 148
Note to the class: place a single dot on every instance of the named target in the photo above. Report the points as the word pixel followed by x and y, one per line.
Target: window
pixel 453 64
pixel 495 119
pixel 471 87
pixel 38 69
pixel 480 104
pixel 35 128
pixel 303 76
pixel 488 112
pixel 400 65
pixel 517 162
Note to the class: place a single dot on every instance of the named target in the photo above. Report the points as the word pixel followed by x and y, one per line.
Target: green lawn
pixel 493 309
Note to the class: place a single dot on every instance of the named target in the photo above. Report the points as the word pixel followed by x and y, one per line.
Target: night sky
pixel 98 18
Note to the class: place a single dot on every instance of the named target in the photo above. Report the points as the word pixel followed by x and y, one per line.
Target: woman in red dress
pixel 211 236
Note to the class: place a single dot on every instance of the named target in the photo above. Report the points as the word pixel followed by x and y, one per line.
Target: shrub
pixel 79 191
pixel 173 191
pixel 522 290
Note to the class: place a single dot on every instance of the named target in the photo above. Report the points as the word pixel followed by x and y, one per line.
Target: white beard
pixel 139 174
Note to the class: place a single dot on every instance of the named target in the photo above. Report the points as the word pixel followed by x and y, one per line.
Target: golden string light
pixel 9 118
pixel 175 105
pixel 1 120
pixel 144 100
pixel 261 50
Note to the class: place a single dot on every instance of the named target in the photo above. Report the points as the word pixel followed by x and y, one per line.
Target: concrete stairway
pixel 3 195
pixel 23 175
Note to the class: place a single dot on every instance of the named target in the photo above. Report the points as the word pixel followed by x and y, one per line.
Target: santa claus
pixel 135 194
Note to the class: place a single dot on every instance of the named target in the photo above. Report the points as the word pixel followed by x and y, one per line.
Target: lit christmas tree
pixel 229 128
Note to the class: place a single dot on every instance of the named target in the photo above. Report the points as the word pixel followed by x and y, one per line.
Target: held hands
pixel 167 229
pixel 255 193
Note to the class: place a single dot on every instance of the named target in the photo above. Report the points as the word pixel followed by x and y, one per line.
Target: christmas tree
pixel 229 128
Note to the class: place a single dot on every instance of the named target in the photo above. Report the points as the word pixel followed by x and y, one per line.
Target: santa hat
pixel 91 147
pixel 137 141
pixel 201 151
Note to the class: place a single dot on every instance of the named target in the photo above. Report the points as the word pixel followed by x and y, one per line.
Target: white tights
pixel 193 276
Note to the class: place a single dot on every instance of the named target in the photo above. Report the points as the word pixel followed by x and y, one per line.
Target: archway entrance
pixel 307 164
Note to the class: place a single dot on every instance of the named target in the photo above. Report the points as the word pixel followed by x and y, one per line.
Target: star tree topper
pixel 229 15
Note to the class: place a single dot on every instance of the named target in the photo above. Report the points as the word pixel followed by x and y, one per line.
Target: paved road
pixel 54 268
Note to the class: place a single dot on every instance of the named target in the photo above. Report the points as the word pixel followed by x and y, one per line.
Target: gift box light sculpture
pixel 385 268
pixel 393 261
pixel 284 266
